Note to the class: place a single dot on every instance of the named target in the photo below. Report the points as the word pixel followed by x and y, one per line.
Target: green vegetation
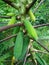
pixel 24 32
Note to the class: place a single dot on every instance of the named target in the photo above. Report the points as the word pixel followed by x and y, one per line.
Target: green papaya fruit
pixel 12 20
pixel 31 30
pixel 25 47
pixel 10 14
pixel 15 30
pixel 32 17
pixel 18 45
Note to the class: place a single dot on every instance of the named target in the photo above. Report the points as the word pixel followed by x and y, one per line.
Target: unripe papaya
pixel 12 20
pixel 10 14
pixel 25 47
pixel 16 29
pixel 13 60
pixel 18 45
pixel 30 29
pixel 31 15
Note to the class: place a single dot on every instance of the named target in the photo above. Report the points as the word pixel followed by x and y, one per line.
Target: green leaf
pixel 1 63
pixel 25 46
pixel 18 45
pixel 44 62
pixel 40 60
pixel 5 56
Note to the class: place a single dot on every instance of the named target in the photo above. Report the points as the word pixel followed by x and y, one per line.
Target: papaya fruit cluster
pixel 21 41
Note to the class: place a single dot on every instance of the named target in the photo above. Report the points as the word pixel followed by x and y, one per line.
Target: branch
pixel 41 25
pixel 30 38
pixel 13 4
pixel 19 24
pixel 38 6
pixel 3 22
pixel 8 17
pixel 30 5
pixel 39 51
pixel 41 45
pixel 10 3
pixel 7 38
pixel 10 26
pixel 32 57
pixel 27 8
pixel 29 46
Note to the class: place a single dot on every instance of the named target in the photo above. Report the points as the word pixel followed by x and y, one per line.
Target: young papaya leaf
pixel 18 45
